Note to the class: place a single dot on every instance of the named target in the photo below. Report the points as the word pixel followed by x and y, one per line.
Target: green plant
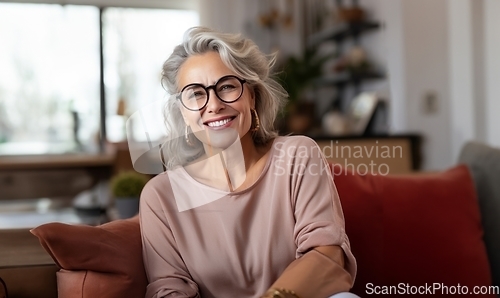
pixel 298 73
pixel 128 184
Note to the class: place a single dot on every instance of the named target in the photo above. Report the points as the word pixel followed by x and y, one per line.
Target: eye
pixel 195 93
pixel 227 87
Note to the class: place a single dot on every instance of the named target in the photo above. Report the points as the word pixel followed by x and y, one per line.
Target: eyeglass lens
pixel 228 89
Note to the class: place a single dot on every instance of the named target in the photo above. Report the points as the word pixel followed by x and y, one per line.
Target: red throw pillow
pixel 414 232
pixel 108 258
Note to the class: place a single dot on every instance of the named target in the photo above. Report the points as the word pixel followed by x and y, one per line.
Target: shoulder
pixel 157 190
pixel 295 141
pixel 292 146
pixel 158 181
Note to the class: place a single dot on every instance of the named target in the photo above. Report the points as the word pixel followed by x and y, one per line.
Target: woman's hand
pixel 279 293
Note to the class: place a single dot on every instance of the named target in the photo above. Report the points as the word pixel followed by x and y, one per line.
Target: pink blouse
pixel 239 243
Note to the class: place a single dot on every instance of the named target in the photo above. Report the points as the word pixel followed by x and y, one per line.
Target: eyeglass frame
pixel 207 90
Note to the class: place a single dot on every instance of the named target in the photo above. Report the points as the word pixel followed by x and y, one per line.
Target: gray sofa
pixel 484 163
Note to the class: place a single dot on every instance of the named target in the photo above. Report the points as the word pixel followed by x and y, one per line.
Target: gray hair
pixel 242 56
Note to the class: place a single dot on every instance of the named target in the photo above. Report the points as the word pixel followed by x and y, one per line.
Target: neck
pixel 235 153
pixel 251 152
pixel 231 168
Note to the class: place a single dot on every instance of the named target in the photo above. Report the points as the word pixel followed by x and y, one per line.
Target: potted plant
pixel 126 188
pixel 297 74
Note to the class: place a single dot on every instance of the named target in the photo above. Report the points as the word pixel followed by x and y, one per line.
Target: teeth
pixel 218 123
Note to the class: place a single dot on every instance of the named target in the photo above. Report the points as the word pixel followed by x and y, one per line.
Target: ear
pixel 252 98
pixel 183 113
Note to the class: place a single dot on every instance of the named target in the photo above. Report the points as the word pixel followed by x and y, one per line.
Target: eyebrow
pixel 213 82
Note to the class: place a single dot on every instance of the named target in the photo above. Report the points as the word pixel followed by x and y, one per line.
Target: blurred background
pixel 72 72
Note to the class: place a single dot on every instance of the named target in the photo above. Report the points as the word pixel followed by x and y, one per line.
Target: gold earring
pixel 256 126
pixel 186 136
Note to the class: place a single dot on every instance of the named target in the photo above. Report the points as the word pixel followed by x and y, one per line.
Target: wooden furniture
pixel 26 268
pixel 382 154
pixel 37 176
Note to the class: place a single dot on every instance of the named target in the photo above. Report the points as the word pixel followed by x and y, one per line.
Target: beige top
pixel 238 244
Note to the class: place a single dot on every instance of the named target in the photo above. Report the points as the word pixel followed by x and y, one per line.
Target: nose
pixel 214 105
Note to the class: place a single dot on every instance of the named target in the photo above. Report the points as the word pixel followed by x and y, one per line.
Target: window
pixel 50 71
pixel 49 78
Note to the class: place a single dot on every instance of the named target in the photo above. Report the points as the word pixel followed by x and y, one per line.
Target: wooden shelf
pixel 345 78
pixel 410 144
pixel 343 31
pixel 27 269
pixel 348 77
pixel 52 176
pixel 31 162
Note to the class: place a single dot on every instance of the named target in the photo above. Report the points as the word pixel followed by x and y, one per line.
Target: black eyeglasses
pixel 228 89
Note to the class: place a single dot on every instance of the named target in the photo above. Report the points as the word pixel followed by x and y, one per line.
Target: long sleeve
pixel 324 264
pixel 317 274
pixel 166 271
pixel 319 220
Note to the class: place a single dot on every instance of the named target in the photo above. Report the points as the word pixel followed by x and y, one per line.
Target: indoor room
pixel 401 98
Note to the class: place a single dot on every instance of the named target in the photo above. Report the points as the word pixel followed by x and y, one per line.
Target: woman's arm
pixel 324 264
pixel 166 271
pixel 318 273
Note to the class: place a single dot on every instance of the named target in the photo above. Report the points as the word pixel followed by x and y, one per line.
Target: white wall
pixel 416 41
pixel 479 65
pixel 461 69
pixel 224 15
pixel 450 48
pixel 241 16
pixel 426 71
pixel 387 47
pixel 475 71
pixel 492 69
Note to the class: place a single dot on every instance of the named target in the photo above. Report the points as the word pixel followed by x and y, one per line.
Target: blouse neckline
pixel 238 192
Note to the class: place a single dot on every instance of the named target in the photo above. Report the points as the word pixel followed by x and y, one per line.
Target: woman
pixel 240 212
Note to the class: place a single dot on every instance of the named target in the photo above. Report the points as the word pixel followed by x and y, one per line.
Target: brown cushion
pixel 109 256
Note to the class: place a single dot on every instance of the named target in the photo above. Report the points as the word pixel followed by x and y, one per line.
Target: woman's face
pixel 218 124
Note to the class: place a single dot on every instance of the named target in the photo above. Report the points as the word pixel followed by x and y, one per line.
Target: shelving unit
pixel 346 78
pixel 341 33
pixel 51 176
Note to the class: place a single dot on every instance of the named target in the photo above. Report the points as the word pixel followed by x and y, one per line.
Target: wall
pixel 461 69
pixel 425 40
pixel 413 45
pixel 492 70
pixel 447 50
pixel 240 16
pixel 475 71
pixel 387 50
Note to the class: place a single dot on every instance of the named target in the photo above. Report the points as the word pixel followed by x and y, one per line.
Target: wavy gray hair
pixel 242 56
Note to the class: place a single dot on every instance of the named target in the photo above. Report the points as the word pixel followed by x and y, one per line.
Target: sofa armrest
pixel 484 164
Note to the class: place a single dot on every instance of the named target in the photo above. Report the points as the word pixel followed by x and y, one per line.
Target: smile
pixel 219 123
